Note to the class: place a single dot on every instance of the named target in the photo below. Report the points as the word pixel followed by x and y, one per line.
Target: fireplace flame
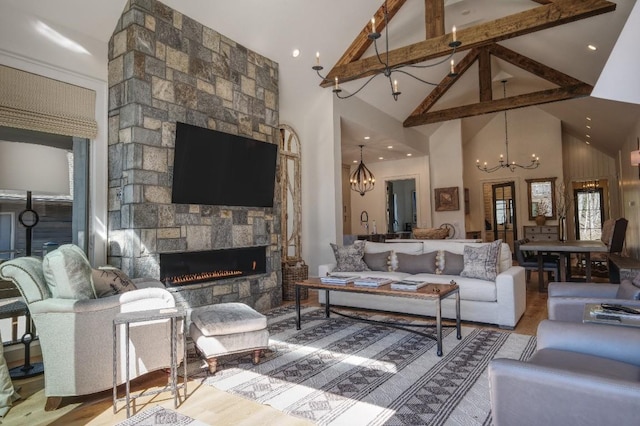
pixel 254 265
pixel 183 279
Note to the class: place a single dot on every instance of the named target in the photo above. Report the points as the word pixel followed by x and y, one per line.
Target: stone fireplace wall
pixel 165 67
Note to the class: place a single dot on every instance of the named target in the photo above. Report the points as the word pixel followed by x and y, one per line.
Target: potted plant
pixel 543 211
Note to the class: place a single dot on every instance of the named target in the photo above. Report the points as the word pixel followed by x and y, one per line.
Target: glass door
pixel 504 213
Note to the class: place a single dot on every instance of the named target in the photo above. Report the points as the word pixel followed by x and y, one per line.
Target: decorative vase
pixel 562 228
pixel 541 219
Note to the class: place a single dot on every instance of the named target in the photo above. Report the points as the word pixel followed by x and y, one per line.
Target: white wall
pixel 445 146
pixel 531 130
pixel 630 192
pixel 374 202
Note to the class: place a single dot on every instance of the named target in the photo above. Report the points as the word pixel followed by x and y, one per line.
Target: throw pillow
pixel 68 273
pixel 453 263
pixel 109 281
pixel 350 258
pixel 627 290
pixel 378 261
pixel 481 262
pixel 417 263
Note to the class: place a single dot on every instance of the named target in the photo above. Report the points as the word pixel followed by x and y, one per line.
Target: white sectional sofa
pixel 501 302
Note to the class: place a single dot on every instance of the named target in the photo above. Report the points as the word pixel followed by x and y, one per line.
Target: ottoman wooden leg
pixel 256 356
pixel 213 364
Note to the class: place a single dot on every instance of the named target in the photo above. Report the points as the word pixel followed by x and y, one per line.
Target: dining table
pixel 564 250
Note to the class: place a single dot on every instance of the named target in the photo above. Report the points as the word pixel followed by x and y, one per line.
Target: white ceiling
pixel 274 28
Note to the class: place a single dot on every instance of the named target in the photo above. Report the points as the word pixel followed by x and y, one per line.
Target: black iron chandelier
pixel 385 68
pixel 362 180
pixel 505 163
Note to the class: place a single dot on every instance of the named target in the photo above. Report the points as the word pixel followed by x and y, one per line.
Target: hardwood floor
pixel 204 403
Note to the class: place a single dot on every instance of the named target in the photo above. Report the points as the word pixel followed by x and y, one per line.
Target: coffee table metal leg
pixel 127 382
pixel 458 333
pixel 115 368
pixel 439 326
pixel 327 306
pixel 297 307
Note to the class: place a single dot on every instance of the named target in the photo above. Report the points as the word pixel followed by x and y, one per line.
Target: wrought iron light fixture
pixel 386 69
pixel 506 163
pixel 362 180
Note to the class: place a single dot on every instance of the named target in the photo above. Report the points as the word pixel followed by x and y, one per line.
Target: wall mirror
pixel 541 194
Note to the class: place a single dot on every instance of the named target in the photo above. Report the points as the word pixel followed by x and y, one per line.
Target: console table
pixel 433 292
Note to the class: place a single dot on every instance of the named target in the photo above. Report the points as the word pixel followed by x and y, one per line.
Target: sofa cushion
pixel 404 247
pixel 457 246
pixel 109 281
pixel 378 261
pixel 453 263
pixel 627 290
pixel 350 258
pixel 417 263
pixel 68 273
pixel 470 288
pixel 482 262
pixel 26 273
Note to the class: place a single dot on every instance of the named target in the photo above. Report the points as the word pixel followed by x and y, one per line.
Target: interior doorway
pixel 500 212
pixel 402 214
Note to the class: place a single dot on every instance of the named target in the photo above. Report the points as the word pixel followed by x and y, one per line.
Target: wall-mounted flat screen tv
pixel 216 168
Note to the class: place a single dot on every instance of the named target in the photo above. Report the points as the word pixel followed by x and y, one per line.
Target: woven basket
pixel 294 271
pixel 430 233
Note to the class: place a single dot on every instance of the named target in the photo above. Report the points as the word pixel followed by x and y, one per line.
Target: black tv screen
pixel 216 168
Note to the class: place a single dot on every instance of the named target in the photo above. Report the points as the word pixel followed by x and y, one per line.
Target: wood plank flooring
pixel 204 403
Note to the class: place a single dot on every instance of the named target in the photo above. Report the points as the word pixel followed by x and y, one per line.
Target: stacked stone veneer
pixel 165 67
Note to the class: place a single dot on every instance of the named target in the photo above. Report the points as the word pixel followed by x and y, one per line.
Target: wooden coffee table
pixel 434 292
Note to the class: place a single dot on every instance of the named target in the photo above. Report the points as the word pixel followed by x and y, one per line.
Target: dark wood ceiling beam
pixel 434 18
pixel 534 67
pixel 447 82
pixel 484 75
pixel 362 41
pixel 539 18
pixel 529 99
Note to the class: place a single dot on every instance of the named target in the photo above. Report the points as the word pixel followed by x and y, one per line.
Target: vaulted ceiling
pixel 545 32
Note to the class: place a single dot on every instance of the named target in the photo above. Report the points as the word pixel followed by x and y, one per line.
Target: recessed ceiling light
pixel 295 53
pixel 592 47
pixel 355 161
pixel 366 138
pixel 380 158
pixel 588 127
pixel 587 142
pixel 409 154
pixel 390 147
pixel 589 118
pixel 588 136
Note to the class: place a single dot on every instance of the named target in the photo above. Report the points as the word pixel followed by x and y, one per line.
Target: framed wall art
pixel 447 199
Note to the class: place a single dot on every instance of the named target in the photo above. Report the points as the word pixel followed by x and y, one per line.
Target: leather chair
pixel 529 261
pixel 580 374
pixel 566 300
pixel 76 336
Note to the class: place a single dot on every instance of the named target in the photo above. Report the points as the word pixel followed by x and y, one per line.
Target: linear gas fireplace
pixel 186 268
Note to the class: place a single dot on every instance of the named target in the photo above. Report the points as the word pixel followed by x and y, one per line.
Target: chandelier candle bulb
pixel 337 83
pixel 317 58
pixel 395 86
pixel 373 25
pixel 452 67
pixel 454 34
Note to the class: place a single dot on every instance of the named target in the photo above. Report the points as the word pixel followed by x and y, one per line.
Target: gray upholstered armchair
pixel 580 374
pixel 76 335
pixel 566 300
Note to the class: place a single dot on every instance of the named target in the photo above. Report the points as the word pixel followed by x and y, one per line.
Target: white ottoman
pixel 228 328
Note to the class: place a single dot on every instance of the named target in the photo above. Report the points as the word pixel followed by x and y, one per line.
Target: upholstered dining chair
pixel 551 263
pixel 76 334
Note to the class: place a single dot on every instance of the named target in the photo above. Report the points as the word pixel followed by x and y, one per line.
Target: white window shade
pixel 31 167
pixel 32 102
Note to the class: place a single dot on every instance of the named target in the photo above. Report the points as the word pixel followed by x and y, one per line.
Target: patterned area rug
pixel 341 372
pixel 157 416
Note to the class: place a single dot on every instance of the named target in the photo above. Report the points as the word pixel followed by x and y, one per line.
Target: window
pixel 589 213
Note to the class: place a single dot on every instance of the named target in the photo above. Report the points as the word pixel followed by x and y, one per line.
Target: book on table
pixel 408 285
pixel 372 281
pixel 338 279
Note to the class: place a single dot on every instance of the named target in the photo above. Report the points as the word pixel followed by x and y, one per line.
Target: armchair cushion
pixel 68 273
pixel 627 290
pixel 28 272
pixel 109 281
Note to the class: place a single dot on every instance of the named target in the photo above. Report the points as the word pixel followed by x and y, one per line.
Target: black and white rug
pixel 341 372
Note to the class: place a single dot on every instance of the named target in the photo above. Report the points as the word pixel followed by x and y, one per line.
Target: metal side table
pixel 127 318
